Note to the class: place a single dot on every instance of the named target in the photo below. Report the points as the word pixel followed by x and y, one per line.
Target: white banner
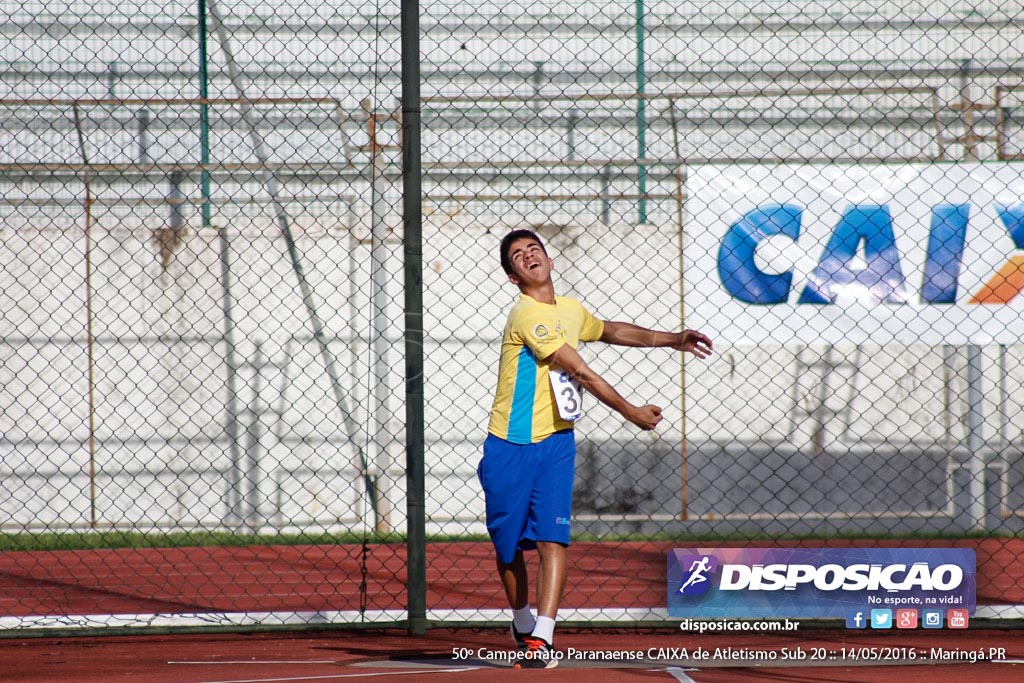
pixel 913 253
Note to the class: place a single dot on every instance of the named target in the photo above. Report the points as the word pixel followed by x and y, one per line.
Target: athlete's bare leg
pixel 514 580
pixel 550 578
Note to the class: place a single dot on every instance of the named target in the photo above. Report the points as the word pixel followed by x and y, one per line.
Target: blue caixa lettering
pixel 839 268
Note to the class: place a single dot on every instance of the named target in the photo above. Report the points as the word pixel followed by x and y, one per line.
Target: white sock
pixel 523 619
pixel 545 629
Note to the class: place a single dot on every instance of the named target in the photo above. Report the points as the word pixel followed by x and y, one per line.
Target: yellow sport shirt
pixel 524 406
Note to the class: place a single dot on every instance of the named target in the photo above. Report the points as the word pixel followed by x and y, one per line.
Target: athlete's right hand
pixel 645 417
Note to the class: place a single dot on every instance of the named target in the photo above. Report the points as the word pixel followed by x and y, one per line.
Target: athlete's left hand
pixel 695 342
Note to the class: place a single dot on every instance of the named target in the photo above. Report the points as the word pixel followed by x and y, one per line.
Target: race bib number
pixel 568 395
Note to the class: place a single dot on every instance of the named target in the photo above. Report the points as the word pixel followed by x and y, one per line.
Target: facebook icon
pixel 856 620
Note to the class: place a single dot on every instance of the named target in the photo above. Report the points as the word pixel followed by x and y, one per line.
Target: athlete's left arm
pixel 628 334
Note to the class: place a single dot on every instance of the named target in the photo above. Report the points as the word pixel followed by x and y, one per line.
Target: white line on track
pixel 679 674
pixel 339 676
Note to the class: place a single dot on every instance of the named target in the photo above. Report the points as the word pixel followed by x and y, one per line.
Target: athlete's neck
pixel 544 294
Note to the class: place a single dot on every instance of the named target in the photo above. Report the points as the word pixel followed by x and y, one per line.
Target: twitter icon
pixel 881 618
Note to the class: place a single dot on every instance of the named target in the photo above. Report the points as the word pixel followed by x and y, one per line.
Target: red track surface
pixel 460 576
pixel 305 578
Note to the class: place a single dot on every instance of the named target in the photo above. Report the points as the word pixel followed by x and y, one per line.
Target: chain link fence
pixel 203 338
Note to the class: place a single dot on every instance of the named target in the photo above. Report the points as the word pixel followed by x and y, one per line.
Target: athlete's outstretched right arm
pixel 628 334
pixel 645 417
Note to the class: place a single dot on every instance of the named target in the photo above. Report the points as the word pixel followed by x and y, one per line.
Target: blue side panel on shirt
pixel 520 419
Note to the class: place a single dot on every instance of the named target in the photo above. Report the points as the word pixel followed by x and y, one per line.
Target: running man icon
pixel 698 570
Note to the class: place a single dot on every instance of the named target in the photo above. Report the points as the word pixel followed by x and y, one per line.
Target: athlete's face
pixel 530 265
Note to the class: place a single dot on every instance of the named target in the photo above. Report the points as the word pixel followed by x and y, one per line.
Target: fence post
pixel 204 114
pixel 606 202
pixel 113 74
pixel 143 118
pixel 641 116
pixel 570 134
pixel 976 436
pixel 412 238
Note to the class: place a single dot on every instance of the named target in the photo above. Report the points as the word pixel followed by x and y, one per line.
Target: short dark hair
pixel 506 244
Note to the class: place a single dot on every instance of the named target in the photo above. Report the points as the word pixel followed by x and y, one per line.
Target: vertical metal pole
pixel 1005 115
pixel 948 352
pixel 143 116
pixel 176 200
pixel 231 426
pixel 538 77
pixel 570 134
pixel 379 320
pixel 680 171
pixel 254 435
pixel 967 112
pixel 606 202
pixel 89 339
pixel 641 115
pixel 1004 416
pixel 204 115
pixel 412 210
pixel 112 75
pixel 680 185
pixel 976 436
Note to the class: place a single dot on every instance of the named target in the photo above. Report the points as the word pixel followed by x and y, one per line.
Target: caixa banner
pixel 913 253
pixel 735 583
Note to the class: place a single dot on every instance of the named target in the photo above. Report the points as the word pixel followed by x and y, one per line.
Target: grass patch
pixel 106 540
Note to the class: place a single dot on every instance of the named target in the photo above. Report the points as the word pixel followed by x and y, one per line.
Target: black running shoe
pixel 539 655
pixel 520 638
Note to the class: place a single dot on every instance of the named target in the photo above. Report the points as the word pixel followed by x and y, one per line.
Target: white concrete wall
pixel 153 450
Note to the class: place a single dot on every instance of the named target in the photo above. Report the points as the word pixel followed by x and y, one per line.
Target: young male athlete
pixel 529 455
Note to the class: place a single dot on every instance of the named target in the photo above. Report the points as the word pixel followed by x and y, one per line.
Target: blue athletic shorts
pixel 528 491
